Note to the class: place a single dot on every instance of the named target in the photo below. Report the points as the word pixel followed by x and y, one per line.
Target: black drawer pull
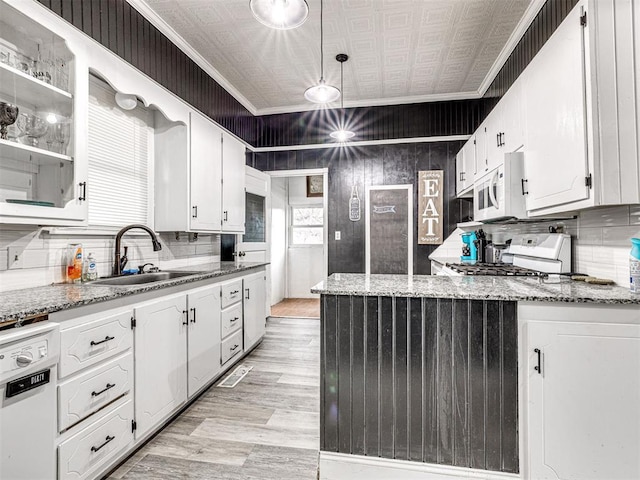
pixel 107 440
pixel 234 347
pixel 106 339
pixel 108 387
pixel 235 292
pixel 234 319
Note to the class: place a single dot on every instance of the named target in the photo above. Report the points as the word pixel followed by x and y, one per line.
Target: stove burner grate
pixel 497 269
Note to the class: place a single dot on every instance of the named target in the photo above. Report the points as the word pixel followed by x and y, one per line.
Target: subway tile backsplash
pixel 33 257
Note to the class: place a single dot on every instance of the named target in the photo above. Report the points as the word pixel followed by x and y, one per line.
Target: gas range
pixel 498 269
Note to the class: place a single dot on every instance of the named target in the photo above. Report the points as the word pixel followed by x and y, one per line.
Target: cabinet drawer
pixel 231 320
pixel 93 448
pixel 231 346
pixel 231 293
pixel 84 394
pixel 90 343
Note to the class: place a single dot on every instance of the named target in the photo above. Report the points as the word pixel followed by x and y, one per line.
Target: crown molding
pixel 376 102
pixel 529 15
pixel 157 21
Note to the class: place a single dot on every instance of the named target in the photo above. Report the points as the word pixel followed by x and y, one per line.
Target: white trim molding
pixel 341 466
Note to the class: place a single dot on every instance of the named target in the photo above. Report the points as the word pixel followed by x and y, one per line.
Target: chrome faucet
pixel 118 264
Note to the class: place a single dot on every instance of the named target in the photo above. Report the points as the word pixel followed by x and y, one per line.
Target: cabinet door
pixel 512 138
pixel 233 161
pixel 206 171
pixel 204 336
pixel 494 149
pixel 584 420
pixel 255 313
pixel 481 165
pixel 460 171
pixel 160 346
pixel 555 154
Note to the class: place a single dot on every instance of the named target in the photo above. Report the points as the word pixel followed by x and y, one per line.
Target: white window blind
pixel 120 146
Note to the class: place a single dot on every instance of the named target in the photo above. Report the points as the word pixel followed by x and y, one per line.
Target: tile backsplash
pixel 34 257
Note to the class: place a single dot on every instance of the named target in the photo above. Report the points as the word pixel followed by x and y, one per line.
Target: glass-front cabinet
pixel 41 179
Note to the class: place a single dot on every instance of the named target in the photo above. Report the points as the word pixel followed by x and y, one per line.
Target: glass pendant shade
pixel 322 93
pixel 342 135
pixel 280 14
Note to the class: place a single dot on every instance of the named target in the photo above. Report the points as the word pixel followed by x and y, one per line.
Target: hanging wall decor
pixel 354 205
pixel 430 194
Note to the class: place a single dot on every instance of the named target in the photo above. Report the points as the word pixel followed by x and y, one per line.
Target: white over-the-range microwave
pixel 500 194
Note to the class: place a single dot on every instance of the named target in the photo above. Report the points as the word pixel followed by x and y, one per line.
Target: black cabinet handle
pixel 186 317
pixel 234 347
pixel 106 440
pixel 226 219
pixel 193 320
pixel 194 212
pixel 106 339
pixel 83 195
pixel 234 319
pixel 522 182
pixel 498 139
pixel 502 139
pixel 538 368
pixel 235 292
pixel 108 387
pixel 248 294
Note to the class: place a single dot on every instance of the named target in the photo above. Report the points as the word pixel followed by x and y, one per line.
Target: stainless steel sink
pixel 142 278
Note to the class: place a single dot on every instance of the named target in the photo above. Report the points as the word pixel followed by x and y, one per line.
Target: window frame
pixel 292 227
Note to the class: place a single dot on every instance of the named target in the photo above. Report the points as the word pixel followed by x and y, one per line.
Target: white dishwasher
pixel 28 374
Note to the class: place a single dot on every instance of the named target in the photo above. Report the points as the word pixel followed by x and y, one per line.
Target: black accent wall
pixel 372 165
pixel 430 380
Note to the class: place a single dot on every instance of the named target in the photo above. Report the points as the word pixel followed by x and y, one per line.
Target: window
pixel 254 219
pixel 307 226
pixel 120 151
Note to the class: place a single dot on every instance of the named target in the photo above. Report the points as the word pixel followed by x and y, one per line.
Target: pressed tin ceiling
pixel 400 51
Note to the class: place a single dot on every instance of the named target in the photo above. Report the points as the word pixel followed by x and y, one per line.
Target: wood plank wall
pixel 124 31
pixel 426 380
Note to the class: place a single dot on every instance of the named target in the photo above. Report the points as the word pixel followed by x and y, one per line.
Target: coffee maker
pixel 469 248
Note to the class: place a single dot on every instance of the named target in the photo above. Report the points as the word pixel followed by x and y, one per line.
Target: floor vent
pixel 234 377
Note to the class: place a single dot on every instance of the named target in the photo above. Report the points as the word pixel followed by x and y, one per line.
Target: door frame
pixel 409 189
pixel 325 205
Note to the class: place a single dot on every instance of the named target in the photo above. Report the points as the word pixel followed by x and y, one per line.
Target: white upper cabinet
pixel 233 186
pixel 556 135
pixel 42 165
pixel 206 174
pixel 465 166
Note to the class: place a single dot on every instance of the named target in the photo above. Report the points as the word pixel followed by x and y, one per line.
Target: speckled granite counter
pixel 30 302
pixel 473 288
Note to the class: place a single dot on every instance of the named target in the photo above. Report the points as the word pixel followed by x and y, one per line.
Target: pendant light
pixel 342 134
pixel 280 14
pixel 322 93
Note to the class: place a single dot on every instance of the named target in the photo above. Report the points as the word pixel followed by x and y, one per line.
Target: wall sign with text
pixel 430 194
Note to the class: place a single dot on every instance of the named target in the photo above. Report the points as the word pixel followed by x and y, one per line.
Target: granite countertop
pixel 30 302
pixel 473 288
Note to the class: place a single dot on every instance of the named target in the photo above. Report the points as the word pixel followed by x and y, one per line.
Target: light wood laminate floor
pixel 297 308
pixel 266 427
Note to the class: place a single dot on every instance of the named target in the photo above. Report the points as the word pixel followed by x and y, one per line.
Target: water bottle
pixel 634 266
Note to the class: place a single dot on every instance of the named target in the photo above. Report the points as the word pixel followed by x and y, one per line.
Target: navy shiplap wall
pixel 372 165
pixel 422 379
pixel 124 31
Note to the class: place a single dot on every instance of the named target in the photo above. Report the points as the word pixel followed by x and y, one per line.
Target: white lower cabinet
pixel 84 394
pixel 582 392
pixel 160 347
pixel 92 449
pixel 255 314
pixel 231 346
pixel 203 337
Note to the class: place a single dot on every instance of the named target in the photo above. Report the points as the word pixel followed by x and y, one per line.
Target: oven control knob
pixel 24 359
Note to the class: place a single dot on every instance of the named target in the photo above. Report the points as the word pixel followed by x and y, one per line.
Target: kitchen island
pixel 432 371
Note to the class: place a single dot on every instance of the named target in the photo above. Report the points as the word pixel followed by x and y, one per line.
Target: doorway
pixel 299 234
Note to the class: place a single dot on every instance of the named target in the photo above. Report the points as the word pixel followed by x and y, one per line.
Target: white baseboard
pixel 340 466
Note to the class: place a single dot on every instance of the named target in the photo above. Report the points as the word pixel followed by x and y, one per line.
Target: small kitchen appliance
pixel 531 255
pixel 469 249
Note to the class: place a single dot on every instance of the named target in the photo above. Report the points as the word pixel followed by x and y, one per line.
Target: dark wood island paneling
pixel 430 380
